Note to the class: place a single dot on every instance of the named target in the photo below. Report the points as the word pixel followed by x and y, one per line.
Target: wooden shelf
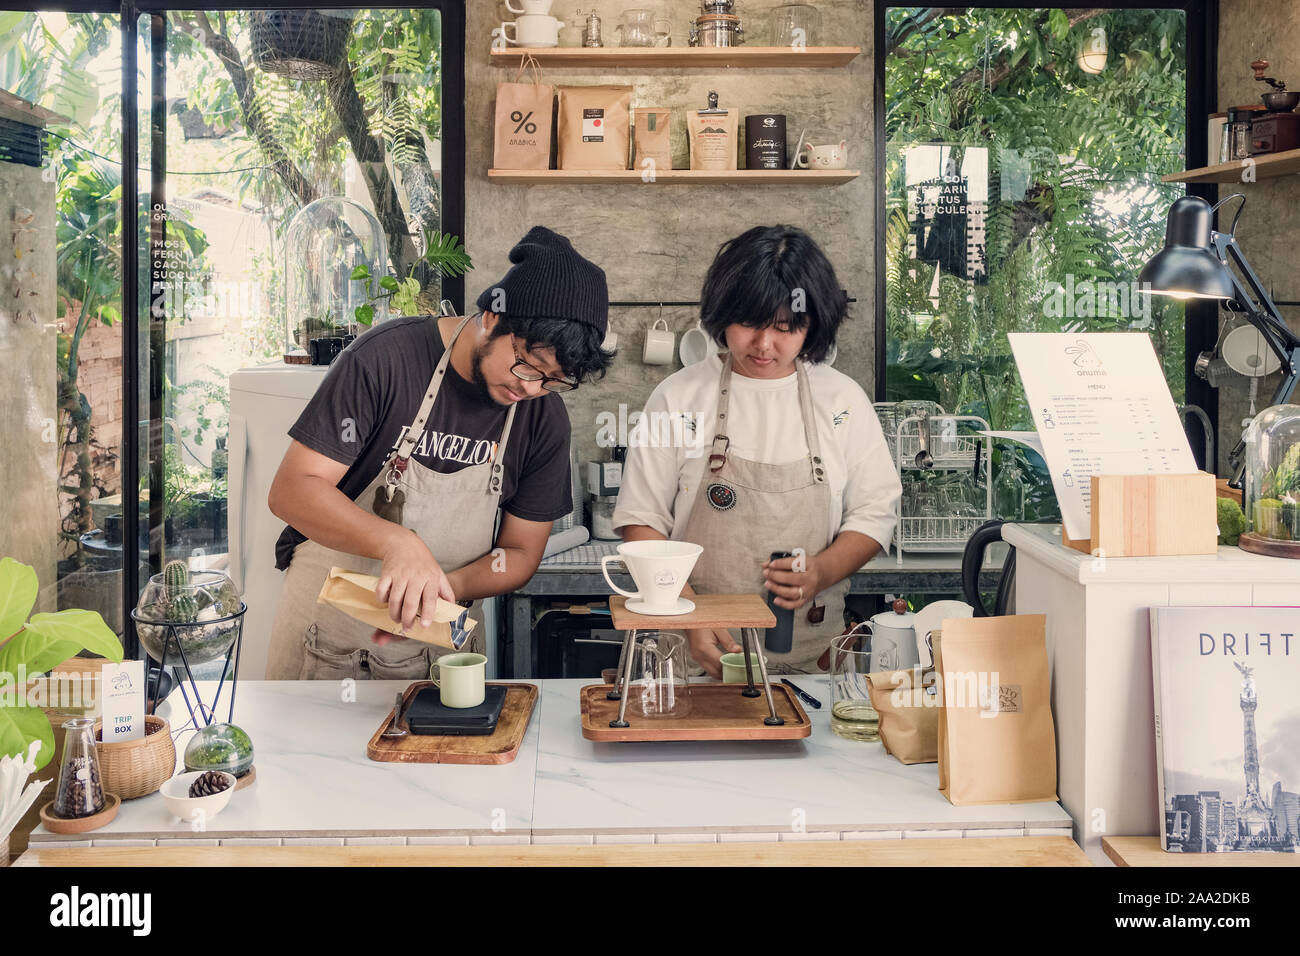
pixel 685 57
pixel 1286 163
pixel 1145 851
pixel 681 177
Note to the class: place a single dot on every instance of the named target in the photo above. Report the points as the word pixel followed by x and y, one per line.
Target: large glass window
pixel 1024 150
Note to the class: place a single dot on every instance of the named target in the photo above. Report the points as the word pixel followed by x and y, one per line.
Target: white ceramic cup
pixel 532 30
pixel 695 345
pixel 832 156
pixel 460 679
pixel 659 345
pixel 659 568
pixel 531 7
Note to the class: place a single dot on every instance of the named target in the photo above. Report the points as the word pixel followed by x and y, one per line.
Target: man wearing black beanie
pixel 423 430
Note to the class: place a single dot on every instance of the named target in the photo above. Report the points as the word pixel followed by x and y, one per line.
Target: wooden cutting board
pixel 500 746
pixel 718 712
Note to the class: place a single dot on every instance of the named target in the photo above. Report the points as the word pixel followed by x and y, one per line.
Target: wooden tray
pixel 81 824
pixel 500 746
pixel 718 712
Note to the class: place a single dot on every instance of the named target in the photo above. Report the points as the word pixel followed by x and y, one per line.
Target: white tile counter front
pixel 314 783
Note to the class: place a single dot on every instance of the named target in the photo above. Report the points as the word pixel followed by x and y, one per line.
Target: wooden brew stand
pixel 746 611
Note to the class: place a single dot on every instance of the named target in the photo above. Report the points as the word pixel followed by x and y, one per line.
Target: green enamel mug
pixel 459 679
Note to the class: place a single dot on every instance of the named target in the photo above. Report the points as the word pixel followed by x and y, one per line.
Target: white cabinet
pixel 1098 642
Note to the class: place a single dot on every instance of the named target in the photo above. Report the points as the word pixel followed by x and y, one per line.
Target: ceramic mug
pixel 659 344
pixel 460 679
pixel 834 156
pixel 537 8
pixel 733 668
pixel 529 30
pixel 660 570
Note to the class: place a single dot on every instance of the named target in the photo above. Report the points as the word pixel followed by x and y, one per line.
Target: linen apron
pixel 454 514
pixel 745 510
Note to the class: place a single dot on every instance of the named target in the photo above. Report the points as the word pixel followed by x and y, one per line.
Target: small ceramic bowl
pixel 175 793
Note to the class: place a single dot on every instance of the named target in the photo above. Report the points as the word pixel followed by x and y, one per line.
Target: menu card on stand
pixel 1102 408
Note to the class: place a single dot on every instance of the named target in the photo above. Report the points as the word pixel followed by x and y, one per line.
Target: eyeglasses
pixel 522 370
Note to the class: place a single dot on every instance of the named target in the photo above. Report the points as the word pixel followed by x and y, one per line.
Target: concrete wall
pixel 28 472
pixel 657 241
pixel 1269 231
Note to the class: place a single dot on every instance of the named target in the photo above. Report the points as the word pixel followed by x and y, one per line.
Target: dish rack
pixel 934 524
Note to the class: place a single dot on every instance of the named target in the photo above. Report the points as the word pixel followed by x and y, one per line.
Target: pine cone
pixel 211 782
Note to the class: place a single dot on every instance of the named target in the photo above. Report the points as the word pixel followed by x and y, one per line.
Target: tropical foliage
pixel 1075 206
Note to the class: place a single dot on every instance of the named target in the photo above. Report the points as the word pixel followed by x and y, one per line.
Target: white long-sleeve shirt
pixel 669 446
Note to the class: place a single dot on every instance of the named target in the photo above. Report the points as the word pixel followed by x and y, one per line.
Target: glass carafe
pixel 80 793
pixel 1009 493
pixel 658 683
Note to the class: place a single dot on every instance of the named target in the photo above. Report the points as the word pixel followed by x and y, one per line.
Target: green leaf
pixel 365 314
pixel 361 272
pixel 18 587
pixel 19 726
pixel 85 629
pixel 388 283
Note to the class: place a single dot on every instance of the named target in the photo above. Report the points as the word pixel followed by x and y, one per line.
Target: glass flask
pixel 852 715
pixel 658 685
pixel 81 791
pixel 325 243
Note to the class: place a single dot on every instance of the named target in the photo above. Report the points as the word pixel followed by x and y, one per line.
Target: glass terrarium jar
pixel 1272 488
pixel 328 242
pixel 220 747
pixel 202 608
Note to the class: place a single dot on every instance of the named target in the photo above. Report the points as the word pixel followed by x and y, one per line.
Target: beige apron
pixel 454 514
pixel 745 510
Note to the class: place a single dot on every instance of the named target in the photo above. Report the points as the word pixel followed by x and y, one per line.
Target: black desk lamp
pixel 1194 265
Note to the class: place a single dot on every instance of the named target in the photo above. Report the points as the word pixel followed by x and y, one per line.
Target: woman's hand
pixel 707 647
pixel 411 580
pixel 793 589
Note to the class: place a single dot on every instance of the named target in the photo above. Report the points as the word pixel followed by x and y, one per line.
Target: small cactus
pixel 176 577
pixel 184 609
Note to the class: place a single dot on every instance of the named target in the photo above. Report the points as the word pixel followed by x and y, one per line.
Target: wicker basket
pixel 300 44
pixel 136 768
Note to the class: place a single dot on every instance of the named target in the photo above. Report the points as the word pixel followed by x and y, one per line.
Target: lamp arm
pixel 1257 305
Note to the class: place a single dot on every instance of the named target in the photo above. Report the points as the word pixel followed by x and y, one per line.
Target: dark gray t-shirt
pixel 372 393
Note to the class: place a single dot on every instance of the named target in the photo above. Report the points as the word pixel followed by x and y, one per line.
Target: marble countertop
pixel 315 785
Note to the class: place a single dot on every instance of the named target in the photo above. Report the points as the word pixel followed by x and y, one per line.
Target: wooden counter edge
pixel 1146 851
pixel 989 851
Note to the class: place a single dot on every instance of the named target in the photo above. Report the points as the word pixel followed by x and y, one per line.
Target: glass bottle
pixel 1239 131
pixel 80 793
pixel 1009 493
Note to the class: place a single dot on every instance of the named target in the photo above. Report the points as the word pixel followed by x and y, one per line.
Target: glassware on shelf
pixel 326 242
pixel 81 791
pixel 1272 488
pixel 1009 493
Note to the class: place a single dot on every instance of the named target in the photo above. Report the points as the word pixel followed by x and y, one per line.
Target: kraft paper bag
pixel 353 593
pixel 997 739
pixel 593 127
pixel 907 702
pixel 523 122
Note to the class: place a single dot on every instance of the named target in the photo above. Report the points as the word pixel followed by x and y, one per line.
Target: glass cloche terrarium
pixel 329 242
pixel 1272 489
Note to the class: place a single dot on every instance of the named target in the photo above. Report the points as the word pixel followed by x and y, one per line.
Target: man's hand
pixel 793 589
pixel 411 580
pixel 707 647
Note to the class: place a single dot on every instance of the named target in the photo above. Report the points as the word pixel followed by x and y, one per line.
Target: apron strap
pixel 718 453
pixel 416 431
pixel 496 473
pixel 810 426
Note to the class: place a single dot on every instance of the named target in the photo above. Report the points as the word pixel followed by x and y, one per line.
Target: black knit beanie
pixel 549 280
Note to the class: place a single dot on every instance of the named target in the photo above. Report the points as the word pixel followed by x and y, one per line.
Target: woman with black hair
pixel 786 453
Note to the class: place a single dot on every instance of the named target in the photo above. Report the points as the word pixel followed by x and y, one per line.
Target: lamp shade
pixel 1187 267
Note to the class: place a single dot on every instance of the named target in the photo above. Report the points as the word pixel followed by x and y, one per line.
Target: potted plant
pixel 32 647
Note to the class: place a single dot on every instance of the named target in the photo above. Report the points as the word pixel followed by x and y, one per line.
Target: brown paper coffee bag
pixel 907 702
pixel 714 137
pixel 651 140
pixel 996 740
pixel 523 123
pixel 592 127
pixel 353 593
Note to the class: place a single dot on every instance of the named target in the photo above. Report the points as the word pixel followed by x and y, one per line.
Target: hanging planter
pixel 300 44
